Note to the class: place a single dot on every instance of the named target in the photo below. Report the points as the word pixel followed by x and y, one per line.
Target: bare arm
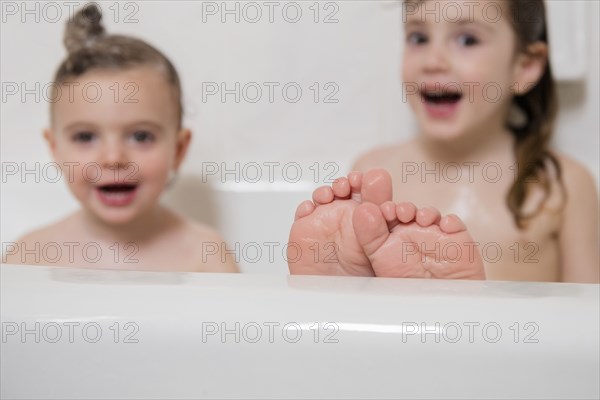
pixel 579 234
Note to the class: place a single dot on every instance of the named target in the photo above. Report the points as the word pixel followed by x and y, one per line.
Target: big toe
pixel 305 208
pixel 451 223
pixel 376 186
pixel 370 227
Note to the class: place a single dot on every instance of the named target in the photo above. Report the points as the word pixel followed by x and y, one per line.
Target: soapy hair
pixel 90 48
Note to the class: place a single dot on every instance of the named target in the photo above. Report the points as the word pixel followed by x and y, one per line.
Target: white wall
pixel 360 54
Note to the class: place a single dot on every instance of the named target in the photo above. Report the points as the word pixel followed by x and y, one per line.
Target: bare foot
pixel 322 239
pixel 403 242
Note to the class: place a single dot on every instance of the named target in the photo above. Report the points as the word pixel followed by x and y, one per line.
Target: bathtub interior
pixel 255 217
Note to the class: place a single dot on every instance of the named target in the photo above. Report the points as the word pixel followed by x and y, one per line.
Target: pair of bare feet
pixel 353 228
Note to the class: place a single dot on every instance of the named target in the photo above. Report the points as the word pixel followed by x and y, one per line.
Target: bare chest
pixel 509 253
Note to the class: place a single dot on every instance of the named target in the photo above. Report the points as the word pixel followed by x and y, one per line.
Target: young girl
pixel 116 133
pixel 482 90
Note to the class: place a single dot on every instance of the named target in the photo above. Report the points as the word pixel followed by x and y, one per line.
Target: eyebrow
pixel 480 24
pixel 411 23
pixel 79 124
pixel 89 125
pixel 149 123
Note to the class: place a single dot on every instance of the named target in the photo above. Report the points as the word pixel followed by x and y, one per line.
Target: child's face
pixel 468 50
pixel 116 136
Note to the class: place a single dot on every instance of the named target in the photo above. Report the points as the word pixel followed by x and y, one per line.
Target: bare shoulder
pixel 14 252
pixel 207 245
pixel 202 233
pixel 577 178
pixel 579 233
pixel 383 156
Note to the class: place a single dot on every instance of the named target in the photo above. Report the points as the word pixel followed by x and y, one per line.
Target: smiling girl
pixel 534 209
pixel 119 138
pixel 478 79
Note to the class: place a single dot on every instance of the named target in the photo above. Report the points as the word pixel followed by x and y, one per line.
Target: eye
pixel 143 136
pixel 467 40
pixel 83 137
pixel 416 38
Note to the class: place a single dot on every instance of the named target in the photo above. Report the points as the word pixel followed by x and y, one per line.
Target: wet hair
pixel 90 48
pixel 538 108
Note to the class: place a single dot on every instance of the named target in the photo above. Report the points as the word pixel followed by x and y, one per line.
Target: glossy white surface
pixel 380 350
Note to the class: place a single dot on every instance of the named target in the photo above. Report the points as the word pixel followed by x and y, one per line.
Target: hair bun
pixel 83 28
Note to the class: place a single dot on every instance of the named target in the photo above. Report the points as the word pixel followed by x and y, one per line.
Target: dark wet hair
pixel 90 48
pixel 539 105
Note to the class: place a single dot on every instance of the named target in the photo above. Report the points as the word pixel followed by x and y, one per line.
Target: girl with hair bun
pixel 119 152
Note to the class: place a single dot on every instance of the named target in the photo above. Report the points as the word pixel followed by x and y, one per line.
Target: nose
pixel 436 59
pixel 113 154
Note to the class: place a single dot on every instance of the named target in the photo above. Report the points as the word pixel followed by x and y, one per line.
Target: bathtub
pixel 83 333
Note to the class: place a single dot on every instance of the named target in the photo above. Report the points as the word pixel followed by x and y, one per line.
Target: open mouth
pixel 120 194
pixel 117 188
pixel 441 97
pixel 441 104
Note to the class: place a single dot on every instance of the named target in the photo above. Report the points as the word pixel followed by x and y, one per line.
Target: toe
pixel 376 186
pixel 355 179
pixel 451 223
pixel 370 227
pixel 388 209
pixel 428 216
pixel 406 212
pixel 323 195
pixel 305 208
pixel 341 188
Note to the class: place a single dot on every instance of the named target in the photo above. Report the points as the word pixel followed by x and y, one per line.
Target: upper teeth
pixel 441 94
